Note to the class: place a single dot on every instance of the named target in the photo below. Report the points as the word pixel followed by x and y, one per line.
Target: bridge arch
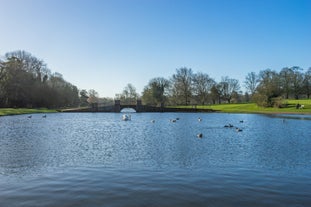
pixel 118 107
pixel 128 110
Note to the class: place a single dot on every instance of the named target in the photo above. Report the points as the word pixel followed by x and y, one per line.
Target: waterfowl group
pixel 30 116
pixel 236 128
pixel 200 135
pixel 228 126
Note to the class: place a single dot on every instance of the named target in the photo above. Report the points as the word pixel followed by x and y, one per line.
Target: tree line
pixel 267 88
pixel 26 81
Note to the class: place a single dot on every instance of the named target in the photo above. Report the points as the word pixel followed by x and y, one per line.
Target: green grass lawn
pixel 11 111
pixel 253 108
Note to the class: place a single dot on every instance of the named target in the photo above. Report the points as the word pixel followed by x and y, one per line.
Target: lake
pixel 96 159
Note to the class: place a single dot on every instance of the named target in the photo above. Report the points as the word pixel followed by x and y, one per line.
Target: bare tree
pixel 30 64
pixel 202 85
pixel 215 94
pixel 291 81
pixel 307 83
pixel 228 87
pixel 251 82
pixel 286 75
pixel 297 81
pixel 83 97
pixel 2 70
pixel 93 96
pixel 156 91
pixel 182 85
pixel 269 88
pixel 129 94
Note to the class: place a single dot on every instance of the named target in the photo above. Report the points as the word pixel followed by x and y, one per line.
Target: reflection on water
pixel 291 116
pixel 96 159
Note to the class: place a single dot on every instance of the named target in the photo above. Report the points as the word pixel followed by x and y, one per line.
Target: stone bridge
pixel 118 107
pixel 138 107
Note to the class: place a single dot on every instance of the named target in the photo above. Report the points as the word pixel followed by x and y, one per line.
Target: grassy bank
pixel 289 107
pixel 12 111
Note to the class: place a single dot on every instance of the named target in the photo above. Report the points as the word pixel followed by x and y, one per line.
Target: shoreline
pixel 21 111
pixel 39 111
pixel 265 112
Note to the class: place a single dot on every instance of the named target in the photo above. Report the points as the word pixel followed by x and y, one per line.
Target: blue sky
pixel 105 44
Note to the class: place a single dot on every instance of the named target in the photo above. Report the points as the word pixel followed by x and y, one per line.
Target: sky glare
pixel 106 44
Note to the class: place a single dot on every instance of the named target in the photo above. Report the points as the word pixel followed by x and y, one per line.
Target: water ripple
pixel 99 160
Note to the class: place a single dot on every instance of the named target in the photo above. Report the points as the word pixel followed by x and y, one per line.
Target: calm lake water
pixel 96 159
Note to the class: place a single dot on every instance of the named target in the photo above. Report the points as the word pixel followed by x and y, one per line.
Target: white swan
pixel 126 117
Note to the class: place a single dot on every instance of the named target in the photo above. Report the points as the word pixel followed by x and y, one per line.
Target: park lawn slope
pixel 289 107
pixel 253 108
pixel 12 111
